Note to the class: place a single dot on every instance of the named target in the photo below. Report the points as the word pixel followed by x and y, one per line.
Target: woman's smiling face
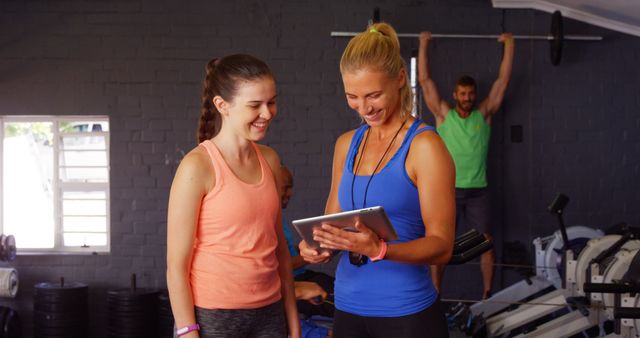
pixel 252 108
pixel 373 94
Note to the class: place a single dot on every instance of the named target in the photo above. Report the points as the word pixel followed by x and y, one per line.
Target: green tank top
pixel 468 142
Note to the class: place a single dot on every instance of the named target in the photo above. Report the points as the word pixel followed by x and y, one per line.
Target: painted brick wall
pixel 141 63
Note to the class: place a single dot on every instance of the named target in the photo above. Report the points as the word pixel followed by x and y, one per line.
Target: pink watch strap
pixel 382 253
pixel 184 330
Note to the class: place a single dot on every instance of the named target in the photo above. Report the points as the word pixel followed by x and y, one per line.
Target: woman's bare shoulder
pixel 196 165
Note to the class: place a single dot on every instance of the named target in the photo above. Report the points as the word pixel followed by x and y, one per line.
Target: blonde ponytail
pixel 378 48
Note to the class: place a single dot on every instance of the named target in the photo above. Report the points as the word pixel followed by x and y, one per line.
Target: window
pixel 417 105
pixel 54 183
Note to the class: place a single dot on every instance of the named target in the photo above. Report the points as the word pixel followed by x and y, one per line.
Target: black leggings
pixel 264 322
pixel 429 323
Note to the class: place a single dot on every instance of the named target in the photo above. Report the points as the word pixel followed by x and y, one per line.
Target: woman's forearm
pixel 181 297
pixel 426 250
pixel 288 293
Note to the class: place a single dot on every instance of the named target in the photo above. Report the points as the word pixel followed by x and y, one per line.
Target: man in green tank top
pixel 466 129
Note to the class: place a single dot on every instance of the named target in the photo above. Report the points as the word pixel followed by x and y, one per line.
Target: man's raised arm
pixel 492 103
pixel 436 105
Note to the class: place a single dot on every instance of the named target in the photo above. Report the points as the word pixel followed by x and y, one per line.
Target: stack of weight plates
pixel 133 313
pixel 165 316
pixel 60 310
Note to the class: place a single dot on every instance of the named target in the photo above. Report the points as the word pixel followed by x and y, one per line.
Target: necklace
pixel 355 173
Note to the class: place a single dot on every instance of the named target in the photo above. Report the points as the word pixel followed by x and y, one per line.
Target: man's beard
pixel 466 106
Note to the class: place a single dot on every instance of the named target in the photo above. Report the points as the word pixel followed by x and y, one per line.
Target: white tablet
pixel 374 217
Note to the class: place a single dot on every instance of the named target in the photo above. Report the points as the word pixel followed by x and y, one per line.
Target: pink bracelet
pixel 184 330
pixel 382 253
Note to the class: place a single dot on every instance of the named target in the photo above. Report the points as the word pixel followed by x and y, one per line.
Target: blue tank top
pixel 384 288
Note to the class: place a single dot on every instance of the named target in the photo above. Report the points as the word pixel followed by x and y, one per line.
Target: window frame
pixel 59 187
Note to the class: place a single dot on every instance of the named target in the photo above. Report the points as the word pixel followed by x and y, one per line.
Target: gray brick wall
pixel 141 63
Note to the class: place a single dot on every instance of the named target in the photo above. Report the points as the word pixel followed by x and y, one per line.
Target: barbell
pixel 555 37
pixel 482 36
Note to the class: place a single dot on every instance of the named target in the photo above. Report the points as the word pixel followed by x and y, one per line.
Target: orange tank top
pixel 234 263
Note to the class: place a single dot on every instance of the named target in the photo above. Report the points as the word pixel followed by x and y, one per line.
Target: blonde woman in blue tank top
pixel 384 289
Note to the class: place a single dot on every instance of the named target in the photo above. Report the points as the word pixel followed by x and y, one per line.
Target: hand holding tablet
pixel 374 218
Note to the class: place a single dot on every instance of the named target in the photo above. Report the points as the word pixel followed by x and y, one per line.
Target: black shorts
pixel 265 322
pixel 472 210
pixel 429 322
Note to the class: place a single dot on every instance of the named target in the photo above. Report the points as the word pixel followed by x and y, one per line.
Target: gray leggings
pixel 265 322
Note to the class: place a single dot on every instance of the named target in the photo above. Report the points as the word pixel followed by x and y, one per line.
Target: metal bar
pixel 482 36
pixel 632 311
pixel 518 292
pixel 507 321
pixel 563 326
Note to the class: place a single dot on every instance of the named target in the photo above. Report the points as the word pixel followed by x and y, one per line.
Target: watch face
pixel 357 259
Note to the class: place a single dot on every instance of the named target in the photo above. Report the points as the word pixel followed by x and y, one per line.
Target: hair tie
pixel 373 30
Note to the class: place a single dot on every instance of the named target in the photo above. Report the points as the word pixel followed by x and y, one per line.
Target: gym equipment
pixel 549 251
pixel 8 282
pixel 546 284
pixel 626 310
pixel 468 246
pixel 132 312
pixel 10 326
pixel 603 259
pixel 568 295
pixel 488 317
pixel 582 302
pixel 61 310
pixel 541 295
pixel 547 255
pixel 578 318
pixel 612 272
pixel 556 36
pixel 585 314
pixel 596 252
pixel 8 276
pixel 7 248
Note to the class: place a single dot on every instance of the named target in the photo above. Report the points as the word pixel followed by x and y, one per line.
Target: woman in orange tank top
pixel 228 267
